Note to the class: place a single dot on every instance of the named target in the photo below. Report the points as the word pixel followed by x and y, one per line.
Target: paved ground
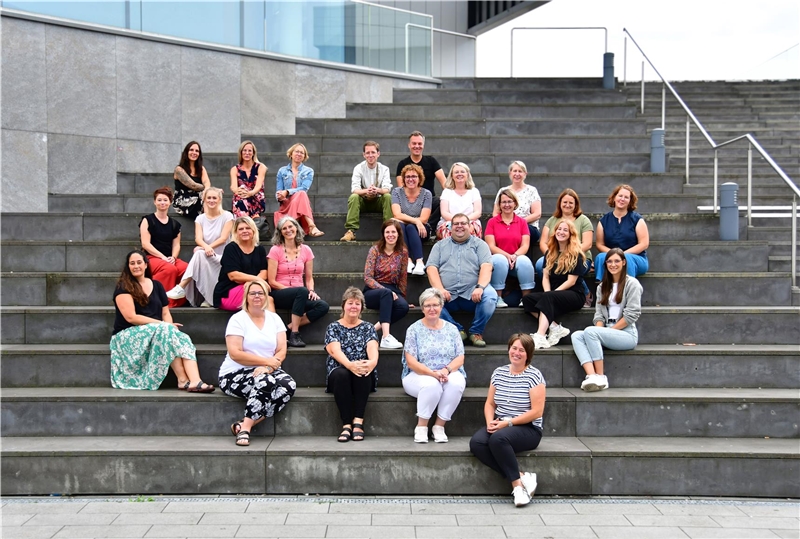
pixel 484 518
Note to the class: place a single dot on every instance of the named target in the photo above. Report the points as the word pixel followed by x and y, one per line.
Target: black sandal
pixel 236 427
pixel 358 436
pixel 243 438
pixel 346 435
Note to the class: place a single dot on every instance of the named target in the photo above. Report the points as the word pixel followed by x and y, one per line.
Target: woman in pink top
pixel 509 238
pixel 290 265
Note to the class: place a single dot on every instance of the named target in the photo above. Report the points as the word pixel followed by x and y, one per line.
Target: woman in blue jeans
pixel 624 228
pixel 619 304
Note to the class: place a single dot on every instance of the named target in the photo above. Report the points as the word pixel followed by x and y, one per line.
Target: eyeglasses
pixel 431 306
pixel 613 262
pixel 412 177
pixel 460 224
pixel 256 294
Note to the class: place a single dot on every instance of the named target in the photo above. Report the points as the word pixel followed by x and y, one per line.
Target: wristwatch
pixel 510 423
pixel 480 286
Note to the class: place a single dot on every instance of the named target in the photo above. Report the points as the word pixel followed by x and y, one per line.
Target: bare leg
pixel 184 282
pixel 422 422
pixel 248 423
pixel 384 328
pixel 544 323
pixel 440 422
pixel 180 372
pixel 191 372
pixel 298 322
pixel 598 366
pixel 588 368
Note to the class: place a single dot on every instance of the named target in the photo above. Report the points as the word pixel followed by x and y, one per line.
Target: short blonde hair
pixel 451 183
pixel 353 293
pixel 250 284
pixel 520 164
pixel 250 223
pixel 292 149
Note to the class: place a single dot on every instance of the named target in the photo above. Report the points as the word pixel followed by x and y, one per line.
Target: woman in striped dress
pixel 513 412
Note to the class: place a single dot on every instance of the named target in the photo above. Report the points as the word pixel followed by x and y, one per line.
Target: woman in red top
pixel 386 277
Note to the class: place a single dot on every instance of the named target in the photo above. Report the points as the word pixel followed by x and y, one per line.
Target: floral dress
pixel 354 345
pixel 251 206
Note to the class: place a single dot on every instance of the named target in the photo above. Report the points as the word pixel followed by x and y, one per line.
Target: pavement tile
pixel 288 507
pixel 536 508
pixel 450 509
pixel 786 510
pixel 418 520
pixel 30 532
pixel 460 532
pixel 615 509
pixel 184 519
pixel 376 532
pixel 124 507
pixel 281 531
pixel 79 519
pixel 313 518
pixel 206 507
pixel 172 530
pixel 371 508
pixel 699 509
pixel 102 532
pixel 684 521
pixel 728 533
pixel 16 520
pixel 250 519
pixel 773 523
pixel 520 519
pixel 585 520
pixel 42 508
pixel 787 534
pixel 638 532
pixel 551 532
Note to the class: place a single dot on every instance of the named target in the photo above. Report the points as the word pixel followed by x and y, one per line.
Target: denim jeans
pixel 483 310
pixel 637 265
pixel 588 344
pixel 523 270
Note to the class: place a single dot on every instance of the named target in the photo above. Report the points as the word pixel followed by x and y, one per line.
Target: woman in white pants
pixel 619 304
pixel 433 367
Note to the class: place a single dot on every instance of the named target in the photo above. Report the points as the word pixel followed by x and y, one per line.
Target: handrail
pixel 552 28
pixel 474 50
pixel 394 9
pixel 752 142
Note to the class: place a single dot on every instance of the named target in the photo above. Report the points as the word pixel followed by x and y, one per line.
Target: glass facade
pixel 343 31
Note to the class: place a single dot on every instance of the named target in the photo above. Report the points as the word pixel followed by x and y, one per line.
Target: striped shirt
pixel 512 392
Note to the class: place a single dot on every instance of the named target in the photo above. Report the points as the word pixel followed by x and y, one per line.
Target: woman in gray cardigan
pixel 619 304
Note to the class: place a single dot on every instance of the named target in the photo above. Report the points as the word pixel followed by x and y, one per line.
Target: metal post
pixel 794 240
pixel 663 106
pixel 716 164
pixel 687 150
pixel 625 63
pixel 642 87
pixel 749 184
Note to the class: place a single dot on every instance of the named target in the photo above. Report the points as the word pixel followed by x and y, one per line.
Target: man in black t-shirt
pixel 430 167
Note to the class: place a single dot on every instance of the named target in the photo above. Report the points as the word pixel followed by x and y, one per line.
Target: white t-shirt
pixel 458 203
pixel 261 342
pixel 614 310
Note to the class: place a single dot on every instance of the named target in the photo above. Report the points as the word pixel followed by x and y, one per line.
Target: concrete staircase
pixel 706 405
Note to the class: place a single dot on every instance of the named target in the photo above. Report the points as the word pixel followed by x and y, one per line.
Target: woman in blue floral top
pixel 352 346
pixel 433 367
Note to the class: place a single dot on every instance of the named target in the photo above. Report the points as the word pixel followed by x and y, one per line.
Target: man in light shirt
pixel 370 190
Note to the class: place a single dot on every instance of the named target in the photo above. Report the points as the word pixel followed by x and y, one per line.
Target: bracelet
pixel 310 290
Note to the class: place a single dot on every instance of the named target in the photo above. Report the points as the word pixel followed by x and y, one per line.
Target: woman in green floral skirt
pixel 146 342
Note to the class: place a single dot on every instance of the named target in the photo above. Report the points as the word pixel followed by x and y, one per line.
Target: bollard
pixel 729 211
pixel 608 71
pixel 658 153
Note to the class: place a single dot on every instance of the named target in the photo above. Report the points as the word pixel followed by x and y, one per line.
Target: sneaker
pixel 528 482
pixel 520 304
pixel 410 267
pixel 500 303
pixel 592 382
pixel 588 302
pixel 294 340
pixel 177 293
pixel 421 435
pixel 462 334
pixel 438 435
pixel 419 269
pixel 521 497
pixel 540 341
pixel 602 382
pixel 477 340
pixel 390 342
pixel 557 332
pixel 206 304
pixel 348 236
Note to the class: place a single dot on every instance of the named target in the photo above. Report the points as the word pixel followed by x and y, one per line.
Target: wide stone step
pixel 409 111
pixel 392 466
pixel 657 325
pixel 543 83
pixel 515 96
pixel 649 365
pixel 707 412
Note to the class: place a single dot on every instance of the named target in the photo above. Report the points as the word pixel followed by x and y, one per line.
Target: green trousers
pixel 356 204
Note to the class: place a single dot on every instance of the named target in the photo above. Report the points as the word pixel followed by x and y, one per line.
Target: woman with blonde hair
pixel 243 260
pixel 291 191
pixel 530 203
pixel 561 289
pixel 247 185
pixel 460 196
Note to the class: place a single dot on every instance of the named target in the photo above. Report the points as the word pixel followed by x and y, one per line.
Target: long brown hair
pixel 563 262
pixel 186 165
pixel 129 283
pixel 400 246
pixel 568 193
pixel 607 284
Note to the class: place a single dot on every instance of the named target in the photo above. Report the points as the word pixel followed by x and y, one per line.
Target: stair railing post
pixel 716 164
pixel 794 240
pixel 688 120
pixel 749 184
pixel 625 63
pixel 642 87
pixel 663 106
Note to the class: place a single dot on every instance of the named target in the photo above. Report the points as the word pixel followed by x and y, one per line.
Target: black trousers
pixel 499 450
pixel 350 392
pixel 297 300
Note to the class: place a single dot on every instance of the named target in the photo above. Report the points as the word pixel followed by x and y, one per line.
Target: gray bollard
pixel 608 71
pixel 729 211
pixel 658 153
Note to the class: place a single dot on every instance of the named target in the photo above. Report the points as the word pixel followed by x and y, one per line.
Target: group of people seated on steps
pixel 231 270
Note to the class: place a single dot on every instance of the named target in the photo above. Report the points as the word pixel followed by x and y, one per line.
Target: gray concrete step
pixel 649 365
pixel 706 412
pixel 515 96
pixel 410 111
pixel 665 466
pixel 523 83
pixel 753 324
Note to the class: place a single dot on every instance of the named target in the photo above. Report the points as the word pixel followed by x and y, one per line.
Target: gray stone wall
pixel 80 106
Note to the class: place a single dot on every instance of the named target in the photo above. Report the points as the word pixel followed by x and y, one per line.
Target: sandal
pixel 236 427
pixel 201 387
pixel 346 435
pixel 314 232
pixel 243 438
pixel 184 387
pixel 358 436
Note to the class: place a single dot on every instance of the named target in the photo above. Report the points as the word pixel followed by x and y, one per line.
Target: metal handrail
pixel 752 142
pixel 553 28
pixel 474 50
pixel 394 9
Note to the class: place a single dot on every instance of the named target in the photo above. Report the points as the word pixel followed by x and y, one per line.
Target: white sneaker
pixel 540 341
pixel 557 332
pixel 592 382
pixel 388 341
pixel 410 266
pixel 529 482
pixel 500 303
pixel 206 305
pixel 419 269
pixel 421 435
pixel 603 382
pixel 521 497
pixel 438 435
pixel 177 293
